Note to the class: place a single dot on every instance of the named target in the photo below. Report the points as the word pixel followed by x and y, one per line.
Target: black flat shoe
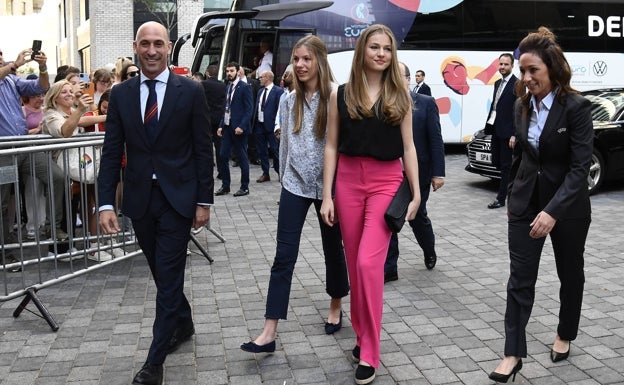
pixel 222 191
pixel 498 377
pixel 333 328
pixel 556 356
pixel 364 374
pixel 252 347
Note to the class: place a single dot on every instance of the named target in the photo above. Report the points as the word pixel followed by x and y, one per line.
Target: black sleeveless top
pixel 371 137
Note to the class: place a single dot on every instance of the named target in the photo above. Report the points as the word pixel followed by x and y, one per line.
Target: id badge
pixel 261 116
pixel 226 119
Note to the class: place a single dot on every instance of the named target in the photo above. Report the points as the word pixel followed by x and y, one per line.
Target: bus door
pixel 223 36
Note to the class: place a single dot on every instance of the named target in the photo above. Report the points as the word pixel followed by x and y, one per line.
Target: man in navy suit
pixel 430 152
pixel 421 87
pixel 162 120
pixel 265 114
pixel 234 128
pixel 500 125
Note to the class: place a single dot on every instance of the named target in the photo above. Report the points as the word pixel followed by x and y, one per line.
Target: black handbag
pixel 397 210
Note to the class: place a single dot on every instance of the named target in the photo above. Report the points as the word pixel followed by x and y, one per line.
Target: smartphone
pixel 84 77
pixel 36 47
pixel 89 88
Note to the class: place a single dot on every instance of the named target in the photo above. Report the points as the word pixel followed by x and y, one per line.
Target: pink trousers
pixel 364 189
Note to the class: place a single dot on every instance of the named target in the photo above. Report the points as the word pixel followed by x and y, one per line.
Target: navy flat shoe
pixel 252 347
pixel 333 328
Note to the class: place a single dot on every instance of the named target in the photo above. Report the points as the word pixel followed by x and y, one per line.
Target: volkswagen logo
pixel 600 68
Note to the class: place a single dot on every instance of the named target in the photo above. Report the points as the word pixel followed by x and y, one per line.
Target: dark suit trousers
pixel 422 229
pixel 163 235
pixel 568 241
pixel 239 142
pixel 501 158
pixel 293 210
pixel 267 142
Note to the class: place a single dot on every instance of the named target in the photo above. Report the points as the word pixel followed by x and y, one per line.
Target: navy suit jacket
pixel 270 110
pixel 215 97
pixel 241 107
pixel 555 176
pixel 504 124
pixel 180 156
pixel 424 89
pixel 427 137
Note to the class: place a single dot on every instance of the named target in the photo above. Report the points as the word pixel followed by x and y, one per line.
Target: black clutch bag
pixel 397 210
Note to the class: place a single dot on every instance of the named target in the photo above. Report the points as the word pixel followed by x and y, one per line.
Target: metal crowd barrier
pixel 33 260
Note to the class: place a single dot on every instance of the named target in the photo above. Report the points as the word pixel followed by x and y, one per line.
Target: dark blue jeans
pixel 293 210
pixel 422 229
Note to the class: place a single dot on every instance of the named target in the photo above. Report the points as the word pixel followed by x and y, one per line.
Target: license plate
pixel 484 157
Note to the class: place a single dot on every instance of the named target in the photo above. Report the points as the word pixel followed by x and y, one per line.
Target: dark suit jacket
pixel 215 97
pixel 503 125
pixel 181 155
pixel 241 108
pixel 424 89
pixel 427 138
pixel 270 110
pixel 553 178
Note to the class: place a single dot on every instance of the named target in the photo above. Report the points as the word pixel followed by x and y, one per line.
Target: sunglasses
pixel 133 73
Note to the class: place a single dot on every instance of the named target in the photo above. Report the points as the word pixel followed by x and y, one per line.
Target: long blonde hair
pixel 325 79
pixel 394 102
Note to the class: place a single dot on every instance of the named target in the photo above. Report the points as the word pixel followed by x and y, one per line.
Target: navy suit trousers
pixel 422 229
pixel 163 235
pixel 239 142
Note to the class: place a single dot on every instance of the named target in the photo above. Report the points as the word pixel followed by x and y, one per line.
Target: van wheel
pixel 596 172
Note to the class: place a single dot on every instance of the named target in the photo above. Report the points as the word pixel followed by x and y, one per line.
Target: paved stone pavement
pixel 440 327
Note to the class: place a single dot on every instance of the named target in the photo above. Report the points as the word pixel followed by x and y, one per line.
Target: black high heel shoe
pixel 498 377
pixel 333 328
pixel 556 356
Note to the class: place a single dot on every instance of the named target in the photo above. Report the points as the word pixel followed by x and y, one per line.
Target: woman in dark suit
pixel 548 195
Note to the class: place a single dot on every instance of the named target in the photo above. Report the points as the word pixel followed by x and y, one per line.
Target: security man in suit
pixel 500 125
pixel 427 135
pixel 421 87
pixel 266 106
pixel 234 128
pixel 162 120
pixel 215 97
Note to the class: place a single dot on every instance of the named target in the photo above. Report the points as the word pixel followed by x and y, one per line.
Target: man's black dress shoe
pixel 391 276
pixel 241 192
pixel 222 191
pixel 149 375
pixel 496 204
pixel 333 328
pixel 556 356
pixel 251 347
pixel 430 261
pixel 180 336
pixel 498 377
